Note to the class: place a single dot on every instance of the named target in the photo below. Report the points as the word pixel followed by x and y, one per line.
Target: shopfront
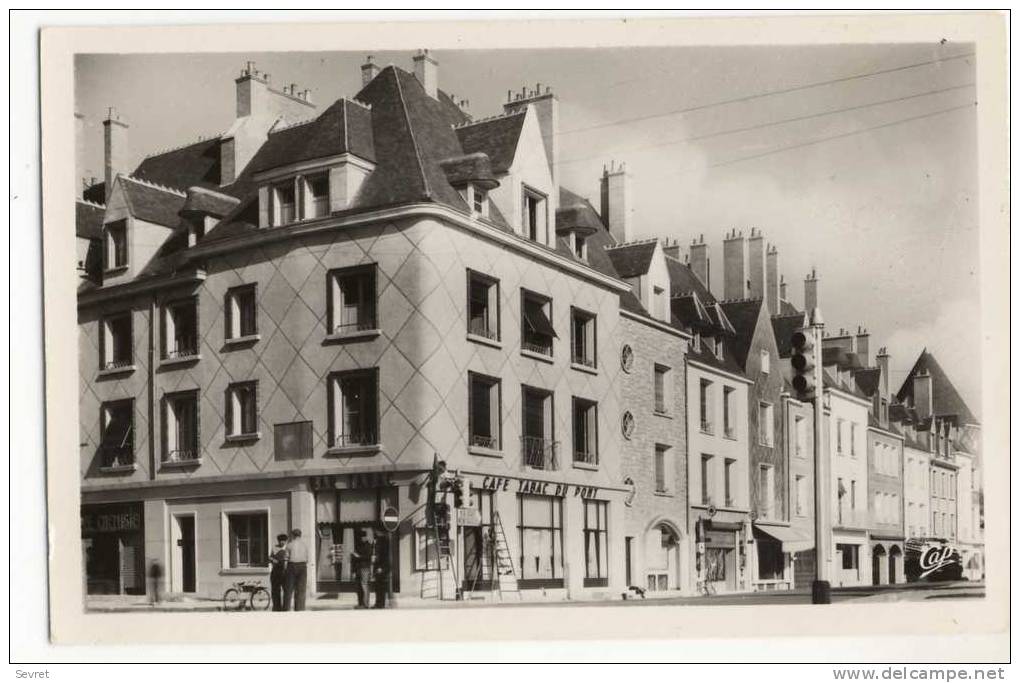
pixel 348 512
pixel 721 558
pixel 776 545
pixel 113 542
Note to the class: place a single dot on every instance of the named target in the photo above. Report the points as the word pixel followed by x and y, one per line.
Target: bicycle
pixel 258 598
pixel 706 588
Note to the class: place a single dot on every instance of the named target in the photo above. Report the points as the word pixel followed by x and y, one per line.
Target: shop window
pixel 538 448
pixel 533 214
pixel 353 408
pixel 582 342
pixel 661 385
pixel 586 426
pixel 115 342
pixel 728 467
pixel 241 416
pixel 318 196
pixel 348 521
pixel 180 329
pixel 541 541
pixel 537 331
pixel 851 558
pixel 117 428
pixel 715 564
pixel 596 543
pixel 241 312
pixel 352 299
pixel 483 306
pixel 248 539
pixel 180 427
pixel 661 468
pixel 485 410
pixel 705 405
pixel 116 252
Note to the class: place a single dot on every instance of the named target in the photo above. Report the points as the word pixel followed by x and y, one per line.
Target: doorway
pixel 183 553
pixel 895 562
pixel 628 550
pixel 877 562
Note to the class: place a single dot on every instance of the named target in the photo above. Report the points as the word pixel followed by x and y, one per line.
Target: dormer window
pixel 479 201
pixel 533 214
pixel 318 196
pixel 580 247
pixel 116 252
pixel 284 203
pixel 719 348
pixel 696 342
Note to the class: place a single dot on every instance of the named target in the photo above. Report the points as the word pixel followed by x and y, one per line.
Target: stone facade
pixel 885 493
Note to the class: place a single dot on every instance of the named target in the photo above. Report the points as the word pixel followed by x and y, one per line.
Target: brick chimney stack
pixel 782 289
pixel 115 149
pixel 772 293
pixel 615 201
pixel 735 265
pixel 700 265
pixel 369 70
pixel 671 248
pixel 811 291
pixel 882 361
pixel 426 70
pixel 756 264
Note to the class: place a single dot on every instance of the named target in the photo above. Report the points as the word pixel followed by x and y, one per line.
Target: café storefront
pixel 113 543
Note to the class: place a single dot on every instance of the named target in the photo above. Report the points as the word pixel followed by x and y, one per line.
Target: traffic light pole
pixel 821 588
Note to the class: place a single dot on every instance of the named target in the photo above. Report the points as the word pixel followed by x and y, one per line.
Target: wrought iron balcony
pixel 182 455
pixel 354 439
pixel 182 348
pixel 481 328
pixel 364 321
pixel 586 457
pixel 490 442
pixel 117 364
pixel 539 453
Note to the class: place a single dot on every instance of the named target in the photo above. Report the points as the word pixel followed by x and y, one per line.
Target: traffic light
pixel 803 361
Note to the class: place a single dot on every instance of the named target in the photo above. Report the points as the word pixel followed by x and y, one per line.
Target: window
pixel 318 196
pixel 661 468
pixel 586 432
pixel 180 427
pixel 352 300
pixel 765 426
pixel 706 479
pixel 729 431
pixel 720 348
pixel 839 436
pixel 580 246
pixel 800 494
pixel 538 450
pixel 283 201
pixel 115 342
pixel 426 553
pixel 840 494
pixel 483 306
pixel 705 406
pixel 242 409
pixel 952 525
pixel 116 252
pixel 180 329
pixel 582 333
pixel 728 467
pixel 853 440
pixel 537 330
pixel 853 494
pixel 596 543
pixel 541 539
pixel 484 416
pixel 479 201
pixel 661 389
pixel 765 361
pixel 240 312
pixel 117 427
pixel 659 302
pixel 800 434
pixel 249 539
pixel 766 491
pixel 850 555
pixel 533 214
pixel 353 413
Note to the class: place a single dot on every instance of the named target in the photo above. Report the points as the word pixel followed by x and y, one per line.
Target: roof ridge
pixel 167 150
pixel 82 200
pixel 410 132
pixel 633 243
pixel 494 117
pixel 155 186
pixel 287 126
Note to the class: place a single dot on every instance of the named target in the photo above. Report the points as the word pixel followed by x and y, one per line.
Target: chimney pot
pixel 735 267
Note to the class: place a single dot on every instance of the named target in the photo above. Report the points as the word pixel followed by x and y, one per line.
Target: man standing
pixel 381 570
pixel 277 576
pixel 362 565
pixel 297 572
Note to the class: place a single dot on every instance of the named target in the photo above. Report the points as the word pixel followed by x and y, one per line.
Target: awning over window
pixel 792 540
pixel 537 320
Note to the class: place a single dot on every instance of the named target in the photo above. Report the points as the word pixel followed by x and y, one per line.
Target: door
pixel 183 537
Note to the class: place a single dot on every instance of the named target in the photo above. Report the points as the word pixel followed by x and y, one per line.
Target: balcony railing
pixel 182 455
pixel 117 364
pixel 490 442
pixel 354 439
pixel 182 348
pixel 584 360
pixel 117 456
pixel 538 453
pixel 537 344
pixel 586 458
pixel 481 328
pixel 364 321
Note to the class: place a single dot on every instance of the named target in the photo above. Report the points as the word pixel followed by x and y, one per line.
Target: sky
pixel 714 138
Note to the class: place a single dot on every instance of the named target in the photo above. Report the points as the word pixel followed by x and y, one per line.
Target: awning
pixel 792 540
pixel 537 320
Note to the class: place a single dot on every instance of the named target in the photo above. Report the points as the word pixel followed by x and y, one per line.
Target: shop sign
pixel 540 488
pixel 935 558
pixel 359 480
pixel 110 522
pixel 469 517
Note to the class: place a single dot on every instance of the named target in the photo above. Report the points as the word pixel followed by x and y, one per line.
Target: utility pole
pixel 821 588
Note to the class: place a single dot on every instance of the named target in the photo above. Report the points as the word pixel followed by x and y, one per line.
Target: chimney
pixel 923 394
pixel 615 207
pixel 756 264
pixel 811 291
pixel 115 149
pixel 735 265
pixel 699 260
pixel 671 248
pixel 882 361
pixel 369 70
pixel 426 70
pixel 772 293
pixel 782 287
pixel 862 346
pixel 547 112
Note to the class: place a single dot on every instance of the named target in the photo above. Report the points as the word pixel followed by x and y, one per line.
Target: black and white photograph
pixel 450 330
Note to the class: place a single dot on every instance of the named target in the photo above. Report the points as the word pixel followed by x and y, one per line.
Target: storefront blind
pixel 358 505
pixel 596 539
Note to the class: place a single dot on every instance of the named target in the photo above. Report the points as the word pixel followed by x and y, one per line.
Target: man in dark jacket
pixel 361 561
pixel 381 572
pixel 278 573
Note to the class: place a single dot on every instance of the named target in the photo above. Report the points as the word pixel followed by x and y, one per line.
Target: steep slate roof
pixel 744 317
pixel 945 398
pixel 194 164
pixel 867 380
pixel 88 220
pixel 152 204
pixel 783 327
pixel 633 259
pixel 496 137
pixel 786 308
pixel 683 281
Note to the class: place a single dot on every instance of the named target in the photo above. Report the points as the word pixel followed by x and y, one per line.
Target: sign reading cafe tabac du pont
pixel 541 488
